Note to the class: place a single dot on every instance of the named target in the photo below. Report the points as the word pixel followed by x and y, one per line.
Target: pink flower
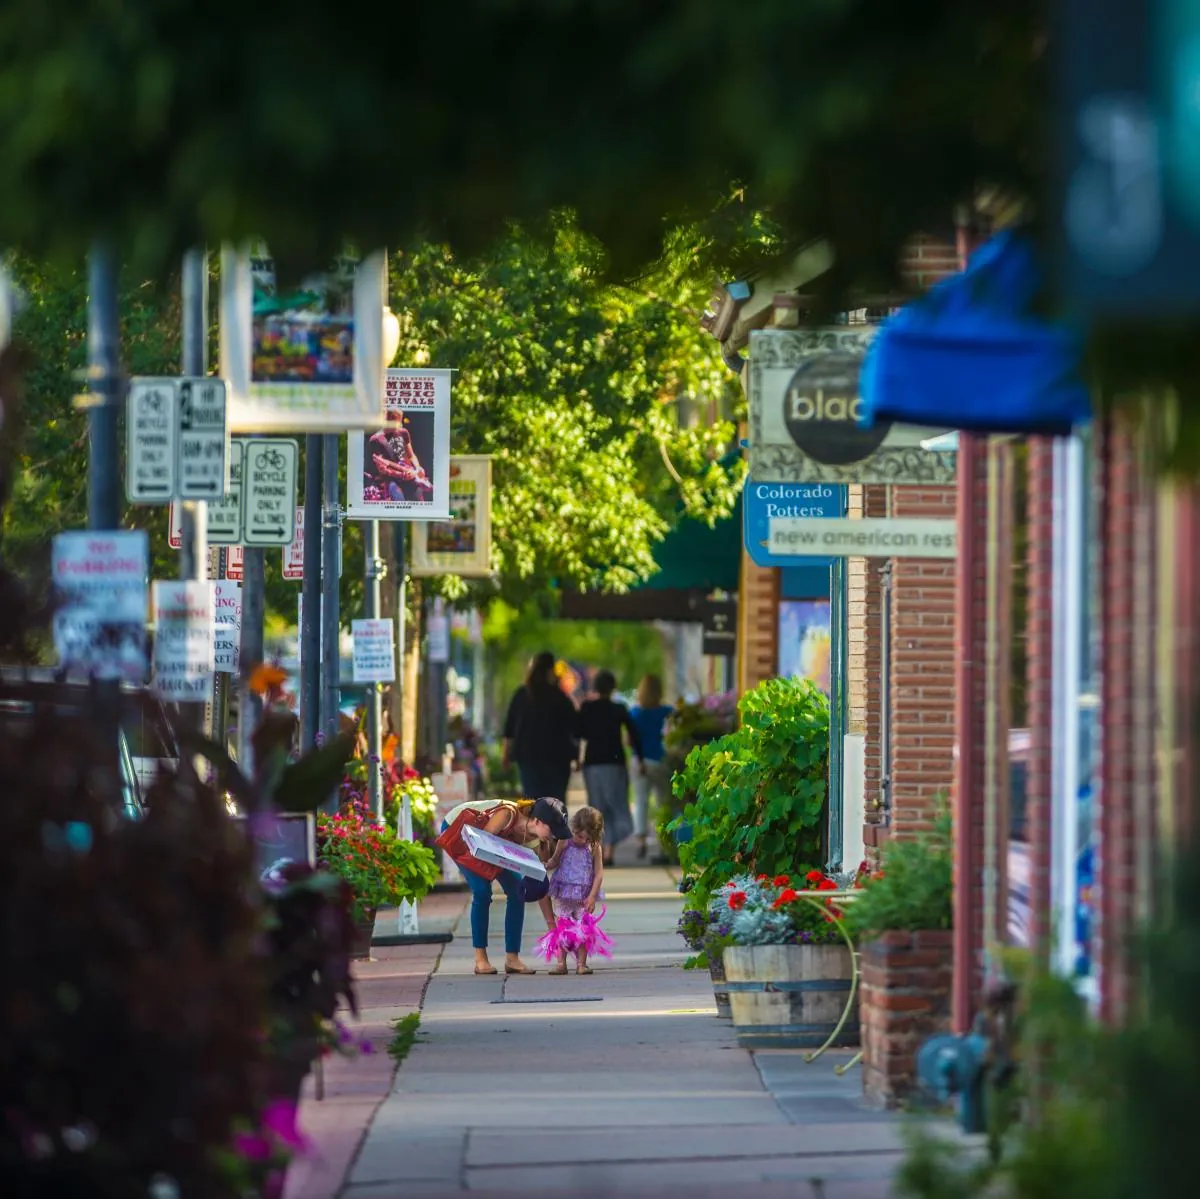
pixel 253 1146
pixel 279 1119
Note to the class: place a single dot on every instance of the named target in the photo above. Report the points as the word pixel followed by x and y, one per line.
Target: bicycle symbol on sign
pixel 271 459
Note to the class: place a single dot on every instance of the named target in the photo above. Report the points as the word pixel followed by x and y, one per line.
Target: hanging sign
pixel 461 544
pixel 269 476
pixel 720 628
pixel 763 501
pixel 302 355
pixel 227 625
pixel 805 408
pixel 374 651
pixel 402 471
pixel 152 434
pixel 100 619
pixel 183 641
pixel 872 537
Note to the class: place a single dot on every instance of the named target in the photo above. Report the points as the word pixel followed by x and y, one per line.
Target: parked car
pixel 146 740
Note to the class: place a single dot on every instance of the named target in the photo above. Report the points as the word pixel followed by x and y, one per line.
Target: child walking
pixel 577 875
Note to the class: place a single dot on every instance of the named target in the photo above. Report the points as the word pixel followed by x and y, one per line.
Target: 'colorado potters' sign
pixel 804 414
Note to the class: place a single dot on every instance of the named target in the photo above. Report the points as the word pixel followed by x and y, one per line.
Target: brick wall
pixel 758 624
pixel 929 260
pixel 1040 688
pixel 905 1000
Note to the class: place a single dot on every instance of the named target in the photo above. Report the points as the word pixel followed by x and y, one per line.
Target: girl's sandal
pixel 558 970
pixel 582 970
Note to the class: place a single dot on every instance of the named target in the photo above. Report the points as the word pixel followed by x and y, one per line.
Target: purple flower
pixel 279 1118
pixel 253 1146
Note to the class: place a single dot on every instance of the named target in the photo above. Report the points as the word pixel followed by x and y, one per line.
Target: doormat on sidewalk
pixel 557 999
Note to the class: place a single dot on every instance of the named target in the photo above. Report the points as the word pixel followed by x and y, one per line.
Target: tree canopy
pixel 167 123
pixel 574 384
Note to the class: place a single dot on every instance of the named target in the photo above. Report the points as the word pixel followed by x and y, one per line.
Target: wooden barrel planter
pixel 716 971
pixel 790 996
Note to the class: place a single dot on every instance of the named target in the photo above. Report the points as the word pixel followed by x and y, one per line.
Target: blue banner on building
pixel 761 501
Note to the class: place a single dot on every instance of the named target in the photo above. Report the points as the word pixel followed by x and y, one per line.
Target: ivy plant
pixel 755 797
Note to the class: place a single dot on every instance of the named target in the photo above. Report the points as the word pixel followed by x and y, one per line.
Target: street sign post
pixel 374 651
pixel 100 621
pixel 227 632
pixel 183 640
pixel 203 439
pixel 152 435
pixel 225 512
pixel 269 475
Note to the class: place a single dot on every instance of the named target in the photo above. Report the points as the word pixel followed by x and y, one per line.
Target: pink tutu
pixel 571 934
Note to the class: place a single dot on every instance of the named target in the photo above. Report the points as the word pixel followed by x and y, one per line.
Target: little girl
pixel 577 875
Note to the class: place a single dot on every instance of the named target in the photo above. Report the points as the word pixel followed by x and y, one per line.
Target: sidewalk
pixel 623 1083
pixel 390 986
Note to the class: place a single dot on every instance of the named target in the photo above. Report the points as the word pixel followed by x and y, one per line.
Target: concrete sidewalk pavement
pixel 619 1083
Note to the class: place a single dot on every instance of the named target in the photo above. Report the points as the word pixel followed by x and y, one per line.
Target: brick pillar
pixel 1040 693
pixel 905 1000
pixel 1127 813
pixel 922 670
pixel 758 624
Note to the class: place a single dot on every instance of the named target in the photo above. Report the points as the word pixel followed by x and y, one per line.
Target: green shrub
pixel 758 793
pixel 913 890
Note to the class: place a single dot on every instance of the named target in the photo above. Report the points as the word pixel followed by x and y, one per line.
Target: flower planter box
pixel 790 996
pixel 906 983
pixel 716 971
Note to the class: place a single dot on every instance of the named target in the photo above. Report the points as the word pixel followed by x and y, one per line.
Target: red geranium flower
pixel 737 900
pixel 782 880
pixel 788 896
pixel 814 876
pixel 827 884
pixel 762 878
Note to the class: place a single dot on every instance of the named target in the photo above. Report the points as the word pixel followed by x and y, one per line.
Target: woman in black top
pixel 539 732
pixel 601 722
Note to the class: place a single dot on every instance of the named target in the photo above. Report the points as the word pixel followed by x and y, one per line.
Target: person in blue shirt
pixel 649 718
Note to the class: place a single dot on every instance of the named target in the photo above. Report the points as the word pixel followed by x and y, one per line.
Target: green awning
pixel 695 557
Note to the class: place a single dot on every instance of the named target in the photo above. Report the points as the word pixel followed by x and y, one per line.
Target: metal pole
pixel 330 614
pixel 193 553
pixel 105 393
pixel 254 585
pixel 400 548
pixel 310 631
pixel 375 571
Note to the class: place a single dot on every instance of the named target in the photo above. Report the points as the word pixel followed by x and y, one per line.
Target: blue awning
pixel 969 355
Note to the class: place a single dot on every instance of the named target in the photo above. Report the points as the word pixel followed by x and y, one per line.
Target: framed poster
pixel 302 355
pixel 804 641
pixel 461 544
pixel 402 470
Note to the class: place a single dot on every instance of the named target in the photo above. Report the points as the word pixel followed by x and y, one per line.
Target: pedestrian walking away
pixel 576 886
pixel 650 716
pixel 539 732
pixel 600 726
pixel 537 826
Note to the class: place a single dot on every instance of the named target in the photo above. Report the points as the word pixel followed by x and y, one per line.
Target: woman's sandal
pixel 518 970
pixel 489 970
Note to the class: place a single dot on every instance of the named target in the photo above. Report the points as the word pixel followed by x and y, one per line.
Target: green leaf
pixel 308 783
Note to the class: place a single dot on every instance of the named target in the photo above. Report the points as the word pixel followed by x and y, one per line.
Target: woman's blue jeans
pixel 481 902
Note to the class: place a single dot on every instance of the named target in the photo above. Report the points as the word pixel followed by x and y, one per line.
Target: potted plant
pixel 789 970
pixel 689 726
pixel 902 920
pixel 381 869
pixel 756 796
pixel 706 934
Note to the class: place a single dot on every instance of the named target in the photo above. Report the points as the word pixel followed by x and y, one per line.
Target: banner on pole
pixel 461 544
pixel 402 471
pixel 304 356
